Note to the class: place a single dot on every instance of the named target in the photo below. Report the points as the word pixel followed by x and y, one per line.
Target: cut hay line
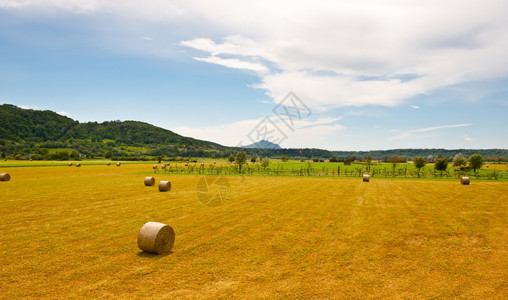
pixel 366 178
pixel 5 177
pixel 464 180
pixel 164 186
pixel 149 181
pixel 155 237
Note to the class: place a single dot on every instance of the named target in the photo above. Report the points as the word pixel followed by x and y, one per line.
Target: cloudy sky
pixel 338 75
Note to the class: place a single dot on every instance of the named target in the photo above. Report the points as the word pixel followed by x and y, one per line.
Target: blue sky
pixel 401 74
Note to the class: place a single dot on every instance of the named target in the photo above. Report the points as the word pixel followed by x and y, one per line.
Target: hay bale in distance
pixel 5 177
pixel 464 180
pixel 108 164
pixel 78 165
pixel 155 237
pixel 154 167
pixel 164 186
pixel 366 177
pixel 149 181
pixel 118 164
pixel 69 164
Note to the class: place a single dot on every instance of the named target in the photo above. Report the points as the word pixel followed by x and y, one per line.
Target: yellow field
pixel 71 232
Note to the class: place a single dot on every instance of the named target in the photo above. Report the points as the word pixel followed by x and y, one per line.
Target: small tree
pixel 109 154
pixel 231 158
pixel 476 161
pixel 441 164
pixel 459 161
pixel 284 158
pixel 253 159
pixel 368 160
pixel 333 159
pixel 159 158
pixel 395 159
pixel 241 158
pixel 63 155
pixel 74 155
pixel 419 162
pixel 265 162
pixel 351 158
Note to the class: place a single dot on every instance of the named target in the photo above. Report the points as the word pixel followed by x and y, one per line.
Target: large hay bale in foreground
pixel 155 237
pixel 5 177
pixel 78 165
pixel 464 180
pixel 164 186
pixel 366 178
pixel 149 181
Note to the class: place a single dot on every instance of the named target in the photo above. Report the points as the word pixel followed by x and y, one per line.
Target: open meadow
pixel 71 232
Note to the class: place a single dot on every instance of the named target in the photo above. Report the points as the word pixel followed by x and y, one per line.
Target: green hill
pixel 24 131
pixel 17 124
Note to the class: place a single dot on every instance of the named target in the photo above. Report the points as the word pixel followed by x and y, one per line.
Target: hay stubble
pixel 277 237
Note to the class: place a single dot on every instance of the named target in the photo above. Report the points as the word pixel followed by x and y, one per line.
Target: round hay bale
pixel 108 164
pixel 149 181
pixel 366 178
pixel 464 180
pixel 164 186
pixel 163 166
pixel 69 164
pixel 186 164
pixel 5 177
pixel 155 237
pixel 78 165
pixel 154 167
pixel 118 164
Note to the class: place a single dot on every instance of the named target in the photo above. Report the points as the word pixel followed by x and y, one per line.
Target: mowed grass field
pixel 71 232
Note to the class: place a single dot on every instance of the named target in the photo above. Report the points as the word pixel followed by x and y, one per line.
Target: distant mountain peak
pixel 263 144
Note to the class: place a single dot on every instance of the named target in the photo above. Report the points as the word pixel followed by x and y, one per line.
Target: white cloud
pixel 370 53
pixel 410 133
pixel 146 38
pixel 468 139
pixel 13 3
pixel 28 107
pixel 415 106
pixel 63 113
pixel 306 132
pixel 233 63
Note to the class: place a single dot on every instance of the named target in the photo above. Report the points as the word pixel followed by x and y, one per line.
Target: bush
pixel 37 157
